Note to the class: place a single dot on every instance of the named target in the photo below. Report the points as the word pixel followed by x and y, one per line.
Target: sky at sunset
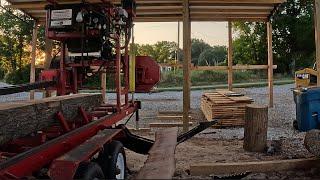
pixel 214 33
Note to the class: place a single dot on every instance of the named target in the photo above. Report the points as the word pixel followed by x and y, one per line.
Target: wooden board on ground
pixel 254 167
pixel 170 118
pixel 224 106
pixel 170 113
pixel 140 130
pixel 167 125
pixel 161 160
pixel 21 118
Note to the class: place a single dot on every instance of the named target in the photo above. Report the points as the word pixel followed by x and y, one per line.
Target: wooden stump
pixel 312 142
pixel 256 128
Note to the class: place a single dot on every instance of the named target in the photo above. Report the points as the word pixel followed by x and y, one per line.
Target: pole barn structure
pixel 188 11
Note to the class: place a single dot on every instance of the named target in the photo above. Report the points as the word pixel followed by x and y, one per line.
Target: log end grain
pixel 312 142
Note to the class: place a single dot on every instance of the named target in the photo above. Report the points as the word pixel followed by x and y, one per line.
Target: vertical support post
pixel 270 63
pixel 118 73
pixel 317 35
pixel 104 86
pixel 178 46
pixel 33 57
pixel 126 73
pixel 48 49
pixel 230 58
pixel 186 64
pixel 75 80
pixel 62 79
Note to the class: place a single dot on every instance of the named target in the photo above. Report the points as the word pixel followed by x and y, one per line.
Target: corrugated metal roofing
pixel 172 10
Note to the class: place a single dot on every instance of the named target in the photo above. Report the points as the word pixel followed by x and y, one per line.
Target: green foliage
pixel 20 76
pixel 162 52
pixel 165 52
pixel 14 36
pixel 250 46
pixel 198 47
pixel 199 78
pixel 294 35
pixel 213 56
pixel 293 38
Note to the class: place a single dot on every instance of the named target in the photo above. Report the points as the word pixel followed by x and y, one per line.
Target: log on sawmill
pixel 18 119
pixel 312 142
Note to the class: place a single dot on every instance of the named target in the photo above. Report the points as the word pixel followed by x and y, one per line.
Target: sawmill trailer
pixel 94 39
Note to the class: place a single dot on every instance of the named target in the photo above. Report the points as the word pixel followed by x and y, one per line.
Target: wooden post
pixel 270 64
pixel 104 86
pixel 317 35
pixel 48 49
pixel 256 128
pixel 33 57
pixel 230 60
pixel 178 46
pixel 186 64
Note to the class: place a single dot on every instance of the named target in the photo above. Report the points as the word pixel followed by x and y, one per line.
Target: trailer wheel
pixel 116 164
pixel 89 171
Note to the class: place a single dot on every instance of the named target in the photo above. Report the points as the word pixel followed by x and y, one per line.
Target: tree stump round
pixel 312 142
pixel 256 128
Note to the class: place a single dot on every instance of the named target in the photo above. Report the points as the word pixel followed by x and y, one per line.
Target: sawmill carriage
pixel 90 146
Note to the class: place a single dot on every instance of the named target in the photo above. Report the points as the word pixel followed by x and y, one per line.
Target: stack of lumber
pixel 18 119
pixel 225 107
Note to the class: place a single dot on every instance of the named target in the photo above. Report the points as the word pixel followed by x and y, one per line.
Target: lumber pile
pixel 18 119
pixel 226 106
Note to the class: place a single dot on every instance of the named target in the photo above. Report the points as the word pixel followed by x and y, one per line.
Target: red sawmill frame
pixel 47 154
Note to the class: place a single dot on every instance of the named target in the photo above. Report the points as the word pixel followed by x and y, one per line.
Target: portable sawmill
pixel 91 146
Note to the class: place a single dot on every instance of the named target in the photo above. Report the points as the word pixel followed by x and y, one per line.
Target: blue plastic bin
pixel 308 108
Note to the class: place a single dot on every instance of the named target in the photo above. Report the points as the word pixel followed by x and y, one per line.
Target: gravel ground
pixel 280 117
pixel 18 96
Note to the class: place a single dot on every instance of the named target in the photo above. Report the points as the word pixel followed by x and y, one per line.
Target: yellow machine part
pixel 303 77
pixel 132 69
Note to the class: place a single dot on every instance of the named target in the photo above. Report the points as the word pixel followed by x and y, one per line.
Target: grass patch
pixel 202 78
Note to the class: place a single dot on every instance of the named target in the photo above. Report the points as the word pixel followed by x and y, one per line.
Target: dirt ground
pixel 214 145
pixel 204 150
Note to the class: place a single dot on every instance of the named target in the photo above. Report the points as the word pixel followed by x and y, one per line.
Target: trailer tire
pixel 115 166
pixel 89 171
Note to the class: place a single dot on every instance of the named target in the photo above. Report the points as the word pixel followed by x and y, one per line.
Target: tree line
pixel 293 43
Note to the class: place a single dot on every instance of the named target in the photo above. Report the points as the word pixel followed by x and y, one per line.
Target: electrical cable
pixel 129 119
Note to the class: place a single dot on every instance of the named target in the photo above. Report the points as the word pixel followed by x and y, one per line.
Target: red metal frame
pixel 51 147
pixel 26 163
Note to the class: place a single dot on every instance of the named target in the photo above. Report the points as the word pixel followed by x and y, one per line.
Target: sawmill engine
pixel 94 39
pixel 88 29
